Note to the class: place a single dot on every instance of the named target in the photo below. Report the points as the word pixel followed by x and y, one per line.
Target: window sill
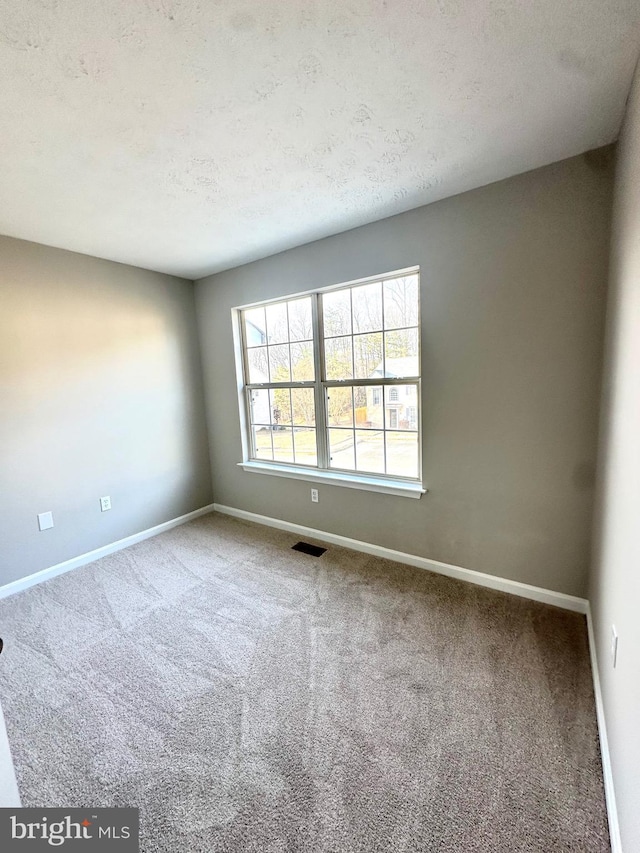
pixel 400 488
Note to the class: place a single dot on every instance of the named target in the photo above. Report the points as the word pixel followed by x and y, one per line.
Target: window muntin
pixel 347 398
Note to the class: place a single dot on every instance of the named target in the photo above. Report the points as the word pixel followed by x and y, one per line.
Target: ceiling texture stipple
pixel 189 137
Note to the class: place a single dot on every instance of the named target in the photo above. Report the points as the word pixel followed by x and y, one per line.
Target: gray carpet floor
pixel 251 698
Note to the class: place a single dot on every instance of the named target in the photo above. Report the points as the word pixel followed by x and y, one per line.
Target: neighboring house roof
pixel 396 367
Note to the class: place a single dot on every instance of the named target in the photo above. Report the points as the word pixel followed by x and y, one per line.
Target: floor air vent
pixel 312 550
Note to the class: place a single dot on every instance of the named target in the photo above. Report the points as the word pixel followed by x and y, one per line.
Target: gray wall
pixel 513 293
pixel 615 582
pixel 100 394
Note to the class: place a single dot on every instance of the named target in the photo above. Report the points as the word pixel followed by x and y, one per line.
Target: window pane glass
pixel 277 330
pixel 279 367
pixel 338 358
pixel 401 353
pixel 402 453
pixel 336 313
pixel 283 444
pixel 401 407
pixel 304 407
pixel 367 350
pixel 370 451
pixel 260 407
pixel 370 333
pixel 262 442
pixel 368 406
pixel 411 417
pixel 258 365
pixel 340 406
pixel 304 441
pixel 341 453
pixel 300 324
pixel 302 362
pixel 280 406
pixel 255 327
pixel 367 307
pixel 392 407
pixel 401 302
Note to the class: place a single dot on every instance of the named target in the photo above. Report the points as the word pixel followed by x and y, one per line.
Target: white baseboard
pixel 90 556
pixel 524 590
pixel 607 773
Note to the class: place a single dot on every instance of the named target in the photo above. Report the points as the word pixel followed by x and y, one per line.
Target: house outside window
pixel 331 380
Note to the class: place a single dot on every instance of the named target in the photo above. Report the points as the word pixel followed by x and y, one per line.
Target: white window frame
pixel 389 484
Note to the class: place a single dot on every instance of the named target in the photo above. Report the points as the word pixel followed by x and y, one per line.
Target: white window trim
pixel 349 480
pixel 368 483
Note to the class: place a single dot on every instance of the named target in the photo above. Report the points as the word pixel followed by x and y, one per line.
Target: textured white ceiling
pixel 190 136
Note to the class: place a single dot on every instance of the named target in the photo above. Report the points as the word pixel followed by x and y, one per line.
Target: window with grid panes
pixel 332 379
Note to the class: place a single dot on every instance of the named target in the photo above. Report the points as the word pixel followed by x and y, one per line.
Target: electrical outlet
pixel 314 496
pixel 105 503
pixel 614 646
pixel 45 520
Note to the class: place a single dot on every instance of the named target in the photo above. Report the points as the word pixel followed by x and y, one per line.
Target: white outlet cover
pixel 105 503
pixel 45 520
